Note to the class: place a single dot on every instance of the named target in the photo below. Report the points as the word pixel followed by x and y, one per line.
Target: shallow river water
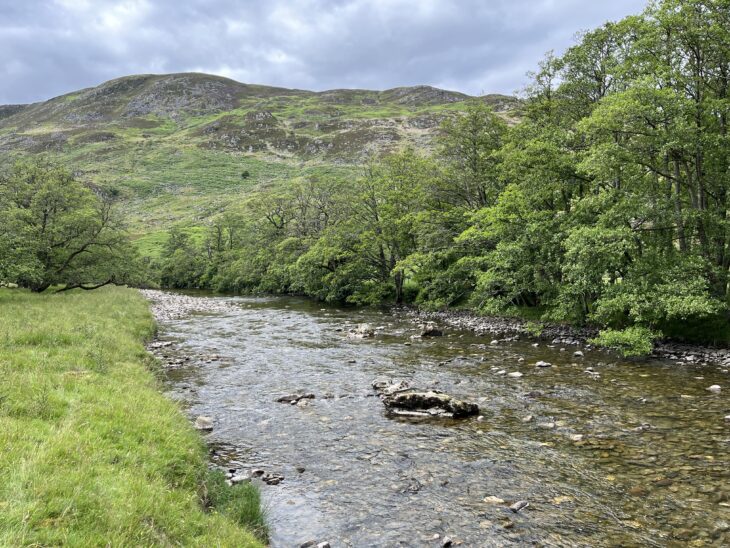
pixel 628 454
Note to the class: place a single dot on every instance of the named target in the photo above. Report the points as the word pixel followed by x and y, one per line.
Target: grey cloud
pixel 50 47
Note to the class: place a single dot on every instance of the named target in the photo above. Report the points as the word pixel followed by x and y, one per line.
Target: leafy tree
pixel 55 230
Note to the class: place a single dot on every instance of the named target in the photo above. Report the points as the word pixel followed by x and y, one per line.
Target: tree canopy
pixel 56 231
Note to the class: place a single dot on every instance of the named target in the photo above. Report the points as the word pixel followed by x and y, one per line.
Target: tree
pixel 54 230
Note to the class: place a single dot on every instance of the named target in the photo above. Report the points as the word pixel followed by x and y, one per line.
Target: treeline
pixel 606 204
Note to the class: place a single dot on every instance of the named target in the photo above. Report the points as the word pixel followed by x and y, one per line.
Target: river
pixel 606 452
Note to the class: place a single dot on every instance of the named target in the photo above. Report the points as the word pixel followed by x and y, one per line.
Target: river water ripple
pixel 626 454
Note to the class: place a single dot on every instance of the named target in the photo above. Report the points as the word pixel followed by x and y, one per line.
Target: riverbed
pixel 606 452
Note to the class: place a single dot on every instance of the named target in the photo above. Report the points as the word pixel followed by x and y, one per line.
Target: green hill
pixel 180 147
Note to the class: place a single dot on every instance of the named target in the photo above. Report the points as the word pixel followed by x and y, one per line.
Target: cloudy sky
pixel 50 47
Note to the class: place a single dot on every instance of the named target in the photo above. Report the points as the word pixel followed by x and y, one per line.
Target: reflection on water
pixel 625 454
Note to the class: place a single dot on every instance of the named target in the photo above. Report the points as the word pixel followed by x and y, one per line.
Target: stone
pixel 519 505
pixel 515 375
pixel 727 418
pixel 576 437
pixel 308 544
pixel 388 387
pixel 204 423
pixel 715 388
pixel 491 499
pixel 578 354
pixel 294 398
pixel 528 418
pixel 446 542
pixel 362 331
pixel 547 425
pixel 240 478
pixel 324 544
pixel 429 329
pixel 543 364
pixel 429 403
pixel 300 469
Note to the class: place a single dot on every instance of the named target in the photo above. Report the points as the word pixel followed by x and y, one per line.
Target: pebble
pixel 519 505
pixel 543 364
pixel 447 542
pixel 324 544
pixel 515 375
pixel 715 388
pixel 491 499
pixel 578 354
pixel 576 437
pixel 546 425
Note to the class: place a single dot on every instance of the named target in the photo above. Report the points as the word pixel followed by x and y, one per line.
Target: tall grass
pixel 91 454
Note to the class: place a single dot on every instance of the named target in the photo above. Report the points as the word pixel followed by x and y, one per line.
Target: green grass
pixel 91 454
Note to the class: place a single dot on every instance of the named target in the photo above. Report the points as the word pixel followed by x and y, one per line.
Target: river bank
pixel 588 442
pixel 563 335
pixel 91 453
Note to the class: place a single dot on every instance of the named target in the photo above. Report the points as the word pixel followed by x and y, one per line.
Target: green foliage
pixel 632 341
pixel 91 454
pixel 54 230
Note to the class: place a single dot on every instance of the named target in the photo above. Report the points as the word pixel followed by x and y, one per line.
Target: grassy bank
pixel 91 454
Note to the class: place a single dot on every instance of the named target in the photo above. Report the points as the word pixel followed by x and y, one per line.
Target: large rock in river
pixel 415 403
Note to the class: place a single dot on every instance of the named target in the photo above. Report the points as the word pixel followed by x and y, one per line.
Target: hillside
pixel 176 145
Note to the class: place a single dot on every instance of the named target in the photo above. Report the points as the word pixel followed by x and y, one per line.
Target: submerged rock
pixel 428 403
pixel 491 499
pixel 294 398
pixel 543 364
pixel 204 423
pixel 715 388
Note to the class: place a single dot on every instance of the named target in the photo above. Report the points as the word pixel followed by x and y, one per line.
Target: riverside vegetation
pixel 92 454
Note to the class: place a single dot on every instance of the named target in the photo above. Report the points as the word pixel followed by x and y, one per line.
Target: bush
pixel 632 341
